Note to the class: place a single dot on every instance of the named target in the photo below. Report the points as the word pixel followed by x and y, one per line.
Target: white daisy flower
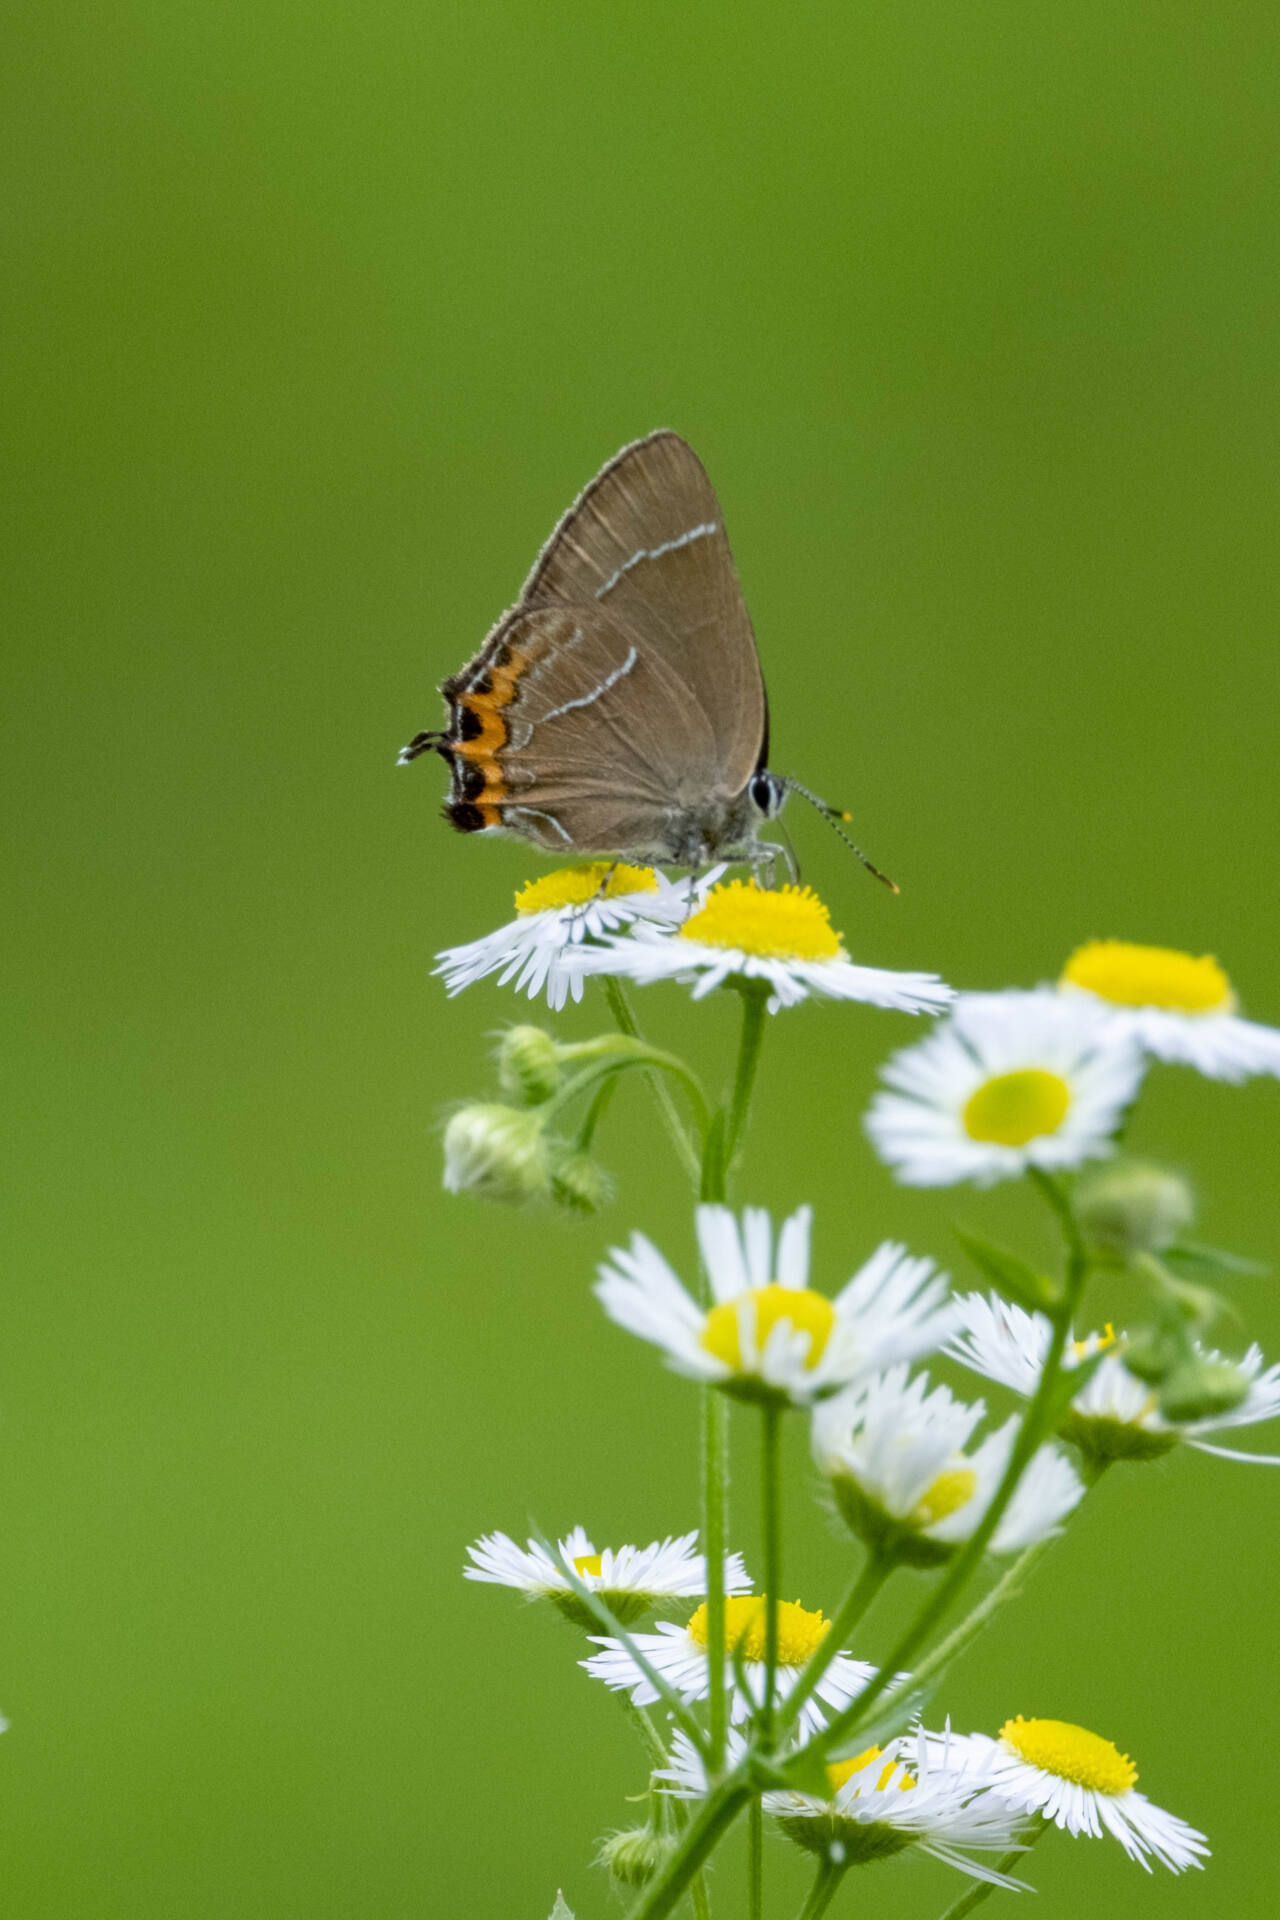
pixel 679 1655
pixel 1083 1784
pixel 556 915
pixel 1011 1080
pixel 881 1802
pixel 894 1453
pixel 781 935
pixel 1115 1416
pixel 630 1580
pixel 1179 1007
pixel 768 1334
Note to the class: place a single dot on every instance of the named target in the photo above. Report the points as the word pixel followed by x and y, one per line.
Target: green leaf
pixel 561 1910
pixel 1010 1273
pixel 1189 1257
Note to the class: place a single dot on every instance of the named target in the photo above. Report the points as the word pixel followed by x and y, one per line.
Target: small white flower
pixel 915 1792
pixel 782 936
pixel 630 1580
pixel 679 1655
pixel 1083 1784
pixel 767 1333
pixel 1011 1080
pixel 556 915
pixel 1115 1416
pixel 1179 1007
pixel 894 1453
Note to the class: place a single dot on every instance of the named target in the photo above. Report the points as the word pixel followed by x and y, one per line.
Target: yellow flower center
pixel 1015 1107
pixel 842 1770
pixel 800 1307
pixel 1094 1343
pixel 587 1564
pixel 1132 976
pixel 783 923
pixel 1072 1753
pixel 950 1491
pixel 578 886
pixel 799 1631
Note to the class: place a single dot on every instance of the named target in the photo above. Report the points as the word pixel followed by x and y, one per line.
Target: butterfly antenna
pixel 833 816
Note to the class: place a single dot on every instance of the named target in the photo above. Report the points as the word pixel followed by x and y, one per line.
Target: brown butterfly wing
pixel 567 729
pixel 646 543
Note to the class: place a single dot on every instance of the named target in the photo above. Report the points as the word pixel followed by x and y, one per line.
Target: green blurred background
pixel 316 318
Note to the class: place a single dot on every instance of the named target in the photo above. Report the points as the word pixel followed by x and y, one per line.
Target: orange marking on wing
pixel 492 737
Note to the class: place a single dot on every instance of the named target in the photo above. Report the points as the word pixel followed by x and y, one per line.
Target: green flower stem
pixel 823 1890
pixel 715 1503
pixel 701 1837
pixel 625 1020
pixel 650 1739
pixel 755 998
pixel 755 1861
pixel 771 1531
pixel 596 1112
pixel 984 1888
pixel 623 1053
pixel 874 1572
pixel 1030 1433
pixel 1007 1587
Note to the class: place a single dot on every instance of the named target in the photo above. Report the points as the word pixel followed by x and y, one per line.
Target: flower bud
pixel 496 1152
pixel 528 1065
pixel 1199 1389
pixel 579 1182
pixel 1133 1207
pixel 635 1856
pixel 1152 1354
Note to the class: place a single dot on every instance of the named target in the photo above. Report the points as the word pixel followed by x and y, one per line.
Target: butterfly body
pixel 618 708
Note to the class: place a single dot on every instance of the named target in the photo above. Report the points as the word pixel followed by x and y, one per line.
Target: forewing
pixel 646 541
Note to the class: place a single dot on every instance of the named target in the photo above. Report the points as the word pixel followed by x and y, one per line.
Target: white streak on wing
pixel 655 553
pixel 611 680
pixel 538 813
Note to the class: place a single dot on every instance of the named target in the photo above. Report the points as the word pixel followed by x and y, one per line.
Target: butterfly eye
pixel 768 792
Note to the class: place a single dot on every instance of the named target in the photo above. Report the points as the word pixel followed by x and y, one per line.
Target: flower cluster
pixel 743 1699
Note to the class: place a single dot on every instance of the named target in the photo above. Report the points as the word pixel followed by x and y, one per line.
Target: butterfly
pixel 618 708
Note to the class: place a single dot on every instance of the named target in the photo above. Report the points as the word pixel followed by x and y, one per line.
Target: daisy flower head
pixel 894 1452
pixel 881 1802
pixel 767 1334
pixel 1115 1416
pixel 1083 1784
pixel 631 1581
pixel 557 916
pixel 1012 1080
pixel 1178 1007
pixel 781 936
pixel 679 1655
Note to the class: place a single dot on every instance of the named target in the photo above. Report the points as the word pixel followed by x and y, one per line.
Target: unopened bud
pixel 1133 1208
pixel 498 1153
pixel 1199 1389
pixel 579 1182
pixel 1152 1354
pixel 528 1065
pixel 635 1856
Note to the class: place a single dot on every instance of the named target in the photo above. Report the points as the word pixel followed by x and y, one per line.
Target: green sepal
pixel 561 1910
pixel 1010 1274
